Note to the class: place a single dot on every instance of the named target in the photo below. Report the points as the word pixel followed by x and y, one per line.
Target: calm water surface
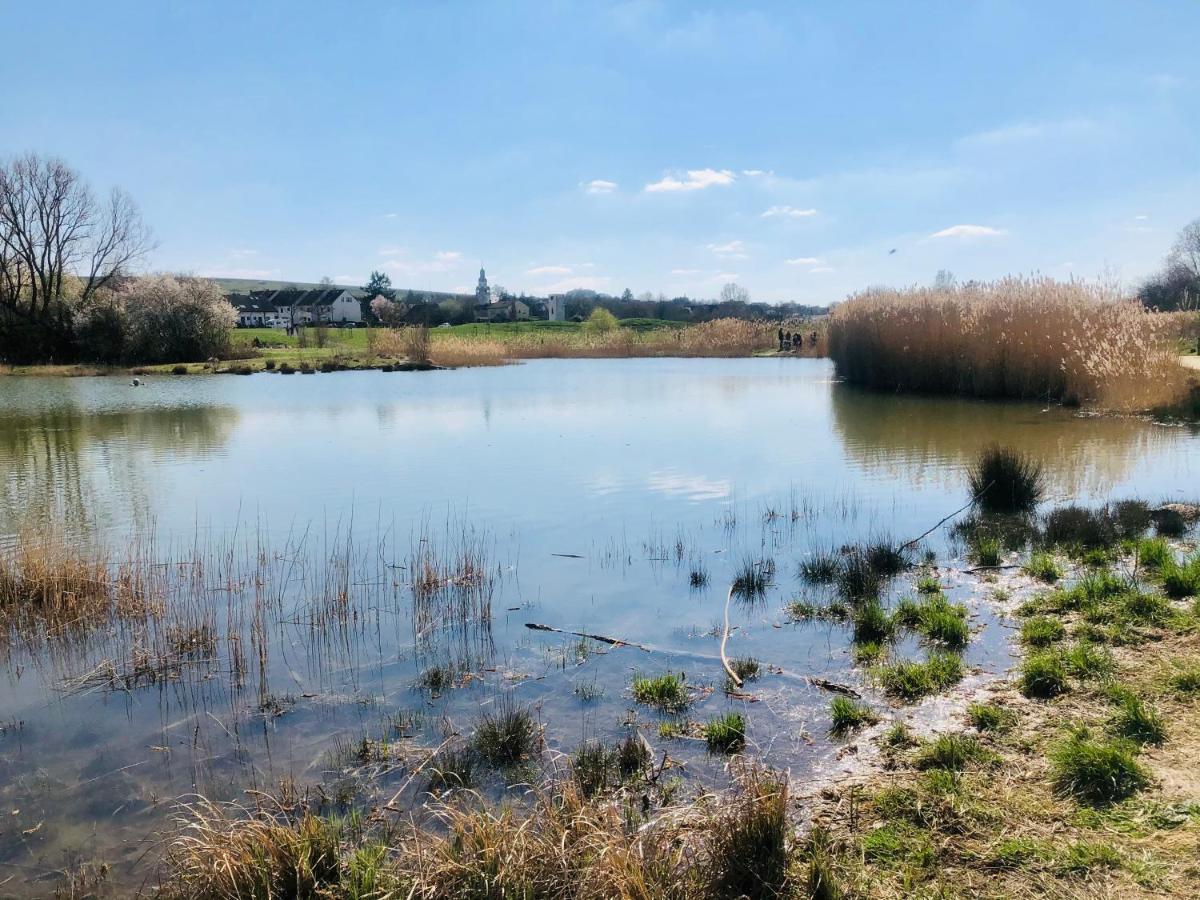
pixel 589 491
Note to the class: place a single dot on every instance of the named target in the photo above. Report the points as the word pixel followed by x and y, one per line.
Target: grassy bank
pixel 1014 338
pixel 462 345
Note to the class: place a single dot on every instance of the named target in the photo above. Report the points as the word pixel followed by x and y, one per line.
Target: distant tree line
pixel 1177 285
pixel 67 292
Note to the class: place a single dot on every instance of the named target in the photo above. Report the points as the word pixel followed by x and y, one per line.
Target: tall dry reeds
pixel 718 338
pixel 1014 338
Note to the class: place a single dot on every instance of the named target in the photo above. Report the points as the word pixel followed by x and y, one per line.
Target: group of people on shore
pixel 789 342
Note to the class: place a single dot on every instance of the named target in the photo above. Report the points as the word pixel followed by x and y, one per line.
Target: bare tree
pixel 55 235
pixel 734 293
pixel 1185 253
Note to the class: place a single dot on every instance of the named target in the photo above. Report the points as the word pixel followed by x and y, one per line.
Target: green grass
pixel 1153 554
pixel 928 584
pixel 1041 631
pixel 987 550
pixel 666 691
pixel 506 735
pixel 1084 660
pixel 989 717
pixel 935 618
pixel 953 752
pixel 453 768
pixel 1043 675
pixel 820 568
pixel 909 680
pixel 847 715
pixel 753 578
pixel 1182 579
pixel 747 669
pixel 872 624
pixel 1006 480
pixel 1186 681
pixel 594 767
pixel 1096 770
pixel 899 844
pixel 725 734
pixel 898 736
pixel 1043 567
pixel 1084 857
pixel 1136 720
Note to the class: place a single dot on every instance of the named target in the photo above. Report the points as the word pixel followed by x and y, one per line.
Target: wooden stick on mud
pixel 615 642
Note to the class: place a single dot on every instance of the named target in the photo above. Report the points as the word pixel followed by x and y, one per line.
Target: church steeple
pixel 483 293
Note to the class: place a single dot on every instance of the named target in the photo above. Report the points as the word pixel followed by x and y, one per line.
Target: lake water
pixel 294 509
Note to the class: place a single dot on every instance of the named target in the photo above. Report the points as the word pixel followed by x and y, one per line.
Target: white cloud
pixel 724 276
pixel 587 283
pixel 789 212
pixel 349 279
pixel 731 250
pixel 1027 132
pixel 697 180
pixel 805 261
pixel 687 271
pixel 390 215
pixel 969 231
pixel 599 186
pixel 242 254
pixel 549 270
pixel 1141 218
pixel 391 251
pixel 818 270
pixel 757 173
pixel 441 261
pixel 260 274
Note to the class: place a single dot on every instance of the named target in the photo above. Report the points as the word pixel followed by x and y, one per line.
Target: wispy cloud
pixel 242 253
pixel 1027 132
pixel 787 212
pixel 390 215
pixel 757 173
pixel 441 261
pixel 599 186
pixel 687 272
pixel 730 250
pixel 549 270
pixel 820 270
pixel 969 231
pixel 696 180
pixel 579 282
pixel 805 261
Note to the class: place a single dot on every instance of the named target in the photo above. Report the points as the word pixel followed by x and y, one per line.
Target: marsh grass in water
pixel 847 715
pixel 1043 567
pixel 1006 480
pixel 725 734
pixel 666 691
pixel 753 578
pixel 505 735
pixel 912 680
pixel 1042 631
pixel 935 618
pixel 953 752
pixel 990 717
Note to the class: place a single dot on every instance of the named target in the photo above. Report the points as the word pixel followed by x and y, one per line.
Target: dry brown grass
pixel 1017 337
pixel 718 338
pixel 46 580
pixel 554 844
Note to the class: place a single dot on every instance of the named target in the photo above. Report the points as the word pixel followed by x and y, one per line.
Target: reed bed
pixel 718 338
pixel 1070 342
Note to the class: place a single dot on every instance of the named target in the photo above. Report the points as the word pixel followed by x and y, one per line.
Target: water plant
pixel 848 715
pixel 666 691
pixel 593 767
pixel 912 680
pixel 748 845
pixel 1097 770
pixel 725 734
pixel 821 567
pixel 872 624
pixel 452 768
pixel 987 551
pixel 1043 567
pixel 506 734
pixel 1181 579
pixel 1003 479
pixel 753 578
pixel 631 756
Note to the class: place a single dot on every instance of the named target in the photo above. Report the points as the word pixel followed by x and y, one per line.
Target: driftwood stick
pixel 615 642
pixel 940 523
pixel 733 676
pixel 833 687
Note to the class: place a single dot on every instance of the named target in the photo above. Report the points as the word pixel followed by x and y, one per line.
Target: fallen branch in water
pixel 990 568
pixel 616 642
pixel 833 687
pixel 942 522
pixel 733 676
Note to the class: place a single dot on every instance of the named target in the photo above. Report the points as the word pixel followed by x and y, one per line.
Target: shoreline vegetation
pixel 1017 338
pixel 333 349
pixel 1072 775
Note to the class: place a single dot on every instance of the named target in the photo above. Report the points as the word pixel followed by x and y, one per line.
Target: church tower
pixel 483 293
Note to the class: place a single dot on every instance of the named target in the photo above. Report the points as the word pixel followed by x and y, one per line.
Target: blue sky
pixel 658 146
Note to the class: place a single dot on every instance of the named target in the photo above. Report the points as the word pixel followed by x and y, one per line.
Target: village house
pixel 292 307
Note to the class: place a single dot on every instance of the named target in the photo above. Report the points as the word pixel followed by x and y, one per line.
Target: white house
pixel 292 306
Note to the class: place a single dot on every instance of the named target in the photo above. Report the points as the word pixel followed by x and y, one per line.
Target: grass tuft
pixel 848 715
pixel 666 691
pixel 1097 770
pixel 506 735
pixel 952 752
pixel 1006 480
pixel 989 717
pixel 1041 631
pixel 1043 567
pixel 909 680
pixel 1043 675
pixel 725 734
